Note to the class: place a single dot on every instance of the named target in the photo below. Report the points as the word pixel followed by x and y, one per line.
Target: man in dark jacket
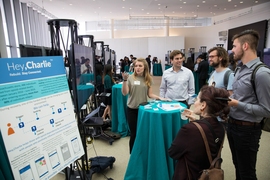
pixel 203 71
pixel 149 62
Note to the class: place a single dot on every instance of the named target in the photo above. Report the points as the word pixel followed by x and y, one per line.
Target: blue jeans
pixel 244 145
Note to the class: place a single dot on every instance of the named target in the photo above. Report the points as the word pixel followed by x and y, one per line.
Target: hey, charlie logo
pixel 29 65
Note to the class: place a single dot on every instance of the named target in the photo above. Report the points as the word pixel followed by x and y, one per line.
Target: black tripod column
pixel 57 40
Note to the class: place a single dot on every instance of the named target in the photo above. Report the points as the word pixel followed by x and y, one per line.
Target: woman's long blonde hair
pixel 146 74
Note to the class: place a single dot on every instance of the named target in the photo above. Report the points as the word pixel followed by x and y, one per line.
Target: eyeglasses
pixel 210 57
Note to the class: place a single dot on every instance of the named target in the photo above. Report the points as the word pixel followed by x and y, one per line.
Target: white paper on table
pixel 171 106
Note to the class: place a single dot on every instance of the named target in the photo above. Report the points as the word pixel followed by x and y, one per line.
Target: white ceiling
pixel 94 10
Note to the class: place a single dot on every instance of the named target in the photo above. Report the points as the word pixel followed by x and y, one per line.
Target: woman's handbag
pixel 214 172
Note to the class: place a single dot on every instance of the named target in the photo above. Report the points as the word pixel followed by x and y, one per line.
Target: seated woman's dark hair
pixel 216 100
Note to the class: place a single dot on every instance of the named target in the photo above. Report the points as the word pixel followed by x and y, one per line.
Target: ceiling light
pixel 235 5
pixel 123 0
pixel 256 1
pixel 70 4
pixel 198 5
pixel 225 9
pixel 148 13
pixel 123 7
pixel 184 2
pixel 158 4
pixel 173 12
pixel 241 2
pixel 180 7
pixel 203 2
pixel 215 5
pixel 142 9
pixel 229 0
pixel 130 8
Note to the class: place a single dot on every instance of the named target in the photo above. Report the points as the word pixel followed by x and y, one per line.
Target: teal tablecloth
pixel 196 81
pixel 5 169
pixel 119 105
pixel 157 70
pixel 84 92
pixel 86 78
pixel 156 130
pixel 167 66
pixel 127 68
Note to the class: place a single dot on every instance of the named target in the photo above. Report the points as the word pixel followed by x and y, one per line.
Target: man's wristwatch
pixel 125 80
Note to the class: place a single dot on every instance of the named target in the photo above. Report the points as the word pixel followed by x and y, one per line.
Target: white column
pixel 167 27
pixel 112 29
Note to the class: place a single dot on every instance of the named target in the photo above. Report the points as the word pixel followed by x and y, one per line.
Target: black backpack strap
pixel 226 77
pixel 253 76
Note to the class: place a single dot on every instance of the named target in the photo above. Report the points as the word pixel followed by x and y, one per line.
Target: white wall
pixel 142 47
pixel 3 47
pixel 196 36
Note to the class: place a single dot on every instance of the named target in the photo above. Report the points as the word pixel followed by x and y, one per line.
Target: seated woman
pixel 188 146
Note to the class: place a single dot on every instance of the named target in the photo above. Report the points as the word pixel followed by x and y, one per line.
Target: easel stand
pixel 83 170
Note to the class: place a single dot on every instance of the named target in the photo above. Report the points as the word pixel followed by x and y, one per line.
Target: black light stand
pixel 101 43
pixel 56 37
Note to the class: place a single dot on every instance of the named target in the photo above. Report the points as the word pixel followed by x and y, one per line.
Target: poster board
pixel 38 123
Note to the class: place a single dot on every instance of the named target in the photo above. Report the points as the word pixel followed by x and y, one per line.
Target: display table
pixel 156 131
pixel 126 68
pixel 5 169
pixel 84 92
pixel 119 106
pixel 167 66
pixel 196 82
pixel 157 70
pixel 86 78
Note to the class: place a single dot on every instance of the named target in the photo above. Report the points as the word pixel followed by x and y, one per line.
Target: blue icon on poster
pixel 21 125
pixel 53 111
pixel 34 129
pixel 59 110
pixel 52 122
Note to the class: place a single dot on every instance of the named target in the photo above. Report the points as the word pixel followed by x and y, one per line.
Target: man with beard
pixel 222 76
pixel 178 81
pixel 247 110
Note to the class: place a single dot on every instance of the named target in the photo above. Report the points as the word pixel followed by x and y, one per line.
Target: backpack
pixel 265 121
pixel 226 77
pixel 214 172
pixel 100 163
